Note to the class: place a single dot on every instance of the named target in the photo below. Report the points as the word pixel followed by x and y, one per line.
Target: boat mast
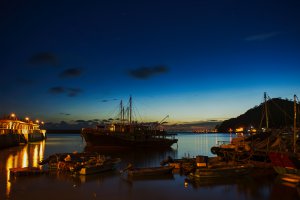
pixel 130 110
pixel 266 111
pixel 121 112
pixel 295 118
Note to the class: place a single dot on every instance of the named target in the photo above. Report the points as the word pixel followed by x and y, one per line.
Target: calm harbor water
pixel 111 185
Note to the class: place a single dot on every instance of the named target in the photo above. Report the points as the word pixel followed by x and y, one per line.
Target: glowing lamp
pixel 241 129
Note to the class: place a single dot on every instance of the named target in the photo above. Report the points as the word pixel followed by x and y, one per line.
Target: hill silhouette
pixel 280 115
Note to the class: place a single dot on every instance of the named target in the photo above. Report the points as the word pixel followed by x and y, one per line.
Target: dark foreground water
pixel 111 185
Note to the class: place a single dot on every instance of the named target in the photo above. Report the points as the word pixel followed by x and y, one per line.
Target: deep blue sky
pixel 193 60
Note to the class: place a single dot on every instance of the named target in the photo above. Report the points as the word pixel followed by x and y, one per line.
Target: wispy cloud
pixel 107 100
pixel 66 114
pixel 71 92
pixel 71 72
pixel 262 36
pixel 147 72
pixel 57 90
pixel 43 58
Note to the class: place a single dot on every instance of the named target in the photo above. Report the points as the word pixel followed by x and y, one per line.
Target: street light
pixel 12 115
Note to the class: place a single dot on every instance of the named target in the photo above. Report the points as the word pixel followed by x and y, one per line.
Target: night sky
pixel 71 62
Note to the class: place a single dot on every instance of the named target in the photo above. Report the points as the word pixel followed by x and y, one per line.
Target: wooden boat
pixel 292 178
pixel 26 171
pixel 80 163
pixel 186 164
pixel 285 163
pixel 131 134
pixel 257 145
pixel 107 165
pixel 149 171
pixel 221 170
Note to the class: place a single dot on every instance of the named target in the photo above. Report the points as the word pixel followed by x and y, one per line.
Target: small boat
pixel 80 163
pixel 292 178
pixel 26 171
pixel 149 171
pixel 107 165
pixel 221 170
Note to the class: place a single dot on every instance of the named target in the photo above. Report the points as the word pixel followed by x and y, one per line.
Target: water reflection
pixel 138 157
pixel 192 145
pixel 110 185
pixel 22 156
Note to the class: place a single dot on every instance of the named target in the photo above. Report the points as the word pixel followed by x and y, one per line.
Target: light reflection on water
pixel 111 185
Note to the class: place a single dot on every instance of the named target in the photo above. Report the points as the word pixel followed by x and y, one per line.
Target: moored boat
pixel 285 163
pixel 129 134
pixel 257 144
pixel 14 131
pixel 26 171
pixel 221 170
pixel 80 163
pixel 148 171
pixel 107 165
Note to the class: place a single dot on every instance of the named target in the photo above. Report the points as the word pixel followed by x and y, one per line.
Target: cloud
pixel 71 72
pixel 72 125
pixel 262 37
pixel 57 90
pixel 107 100
pixel 80 121
pixel 147 72
pixel 67 114
pixel 196 125
pixel 43 58
pixel 71 92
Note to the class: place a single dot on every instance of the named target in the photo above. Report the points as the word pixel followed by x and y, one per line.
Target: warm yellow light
pixel 241 129
pixel 12 115
pixel 37 121
pixel 42 122
pixel 27 119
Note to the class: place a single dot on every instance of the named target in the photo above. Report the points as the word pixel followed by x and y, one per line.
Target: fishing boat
pixel 14 131
pixel 128 133
pixel 257 145
pixel 286 161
